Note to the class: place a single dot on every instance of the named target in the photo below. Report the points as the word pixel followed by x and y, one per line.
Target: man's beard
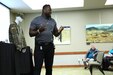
pixel 48 15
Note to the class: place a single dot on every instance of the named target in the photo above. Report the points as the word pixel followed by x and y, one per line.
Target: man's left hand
pixel 61 28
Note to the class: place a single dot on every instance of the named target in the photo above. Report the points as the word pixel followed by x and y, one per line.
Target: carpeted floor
pixel 76 71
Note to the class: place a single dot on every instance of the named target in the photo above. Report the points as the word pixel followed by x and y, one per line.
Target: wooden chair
pixel 97 63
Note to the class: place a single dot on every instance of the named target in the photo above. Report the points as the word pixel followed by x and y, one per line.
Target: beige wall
pixel 77 20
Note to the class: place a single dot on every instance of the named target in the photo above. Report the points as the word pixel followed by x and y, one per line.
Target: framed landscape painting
pixel 99 33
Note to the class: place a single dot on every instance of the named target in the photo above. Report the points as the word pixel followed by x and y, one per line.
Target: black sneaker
pixel 85 67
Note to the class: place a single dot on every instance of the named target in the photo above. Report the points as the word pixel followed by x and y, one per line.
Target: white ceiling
pixel 20 6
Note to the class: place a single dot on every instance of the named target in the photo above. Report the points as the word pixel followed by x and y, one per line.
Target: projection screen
pixel 4 23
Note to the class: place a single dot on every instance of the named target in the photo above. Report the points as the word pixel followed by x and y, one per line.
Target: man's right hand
pixel 42 28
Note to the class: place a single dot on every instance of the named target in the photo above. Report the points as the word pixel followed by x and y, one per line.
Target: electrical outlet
pixel 79 61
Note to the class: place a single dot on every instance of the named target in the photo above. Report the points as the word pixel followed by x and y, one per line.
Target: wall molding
pixel 66 66
pixel 74 53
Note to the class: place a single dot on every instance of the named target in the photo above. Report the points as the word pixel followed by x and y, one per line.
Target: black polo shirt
pixel 49 24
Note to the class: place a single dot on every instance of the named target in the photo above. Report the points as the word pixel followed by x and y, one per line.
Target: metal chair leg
pixel 99 67
pixel 90 69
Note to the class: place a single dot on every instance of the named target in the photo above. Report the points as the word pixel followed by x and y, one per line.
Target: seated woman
pixel 107 59
pixel 90 55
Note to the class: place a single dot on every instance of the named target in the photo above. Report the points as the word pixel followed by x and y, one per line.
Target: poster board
pixel 64 37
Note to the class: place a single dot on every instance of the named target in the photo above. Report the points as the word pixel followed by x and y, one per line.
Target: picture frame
pixel 99 33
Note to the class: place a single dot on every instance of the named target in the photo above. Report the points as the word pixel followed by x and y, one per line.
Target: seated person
pixel 107 59
pixel 90 55
pixel 111 52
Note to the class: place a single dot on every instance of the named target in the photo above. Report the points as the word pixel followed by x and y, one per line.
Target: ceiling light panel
pixel 109 2
pixel 37 4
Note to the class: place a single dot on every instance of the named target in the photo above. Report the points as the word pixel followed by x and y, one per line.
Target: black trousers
pixel 106 62
pixel 43 52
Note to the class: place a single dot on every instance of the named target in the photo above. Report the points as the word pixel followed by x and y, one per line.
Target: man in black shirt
pixel 43 28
